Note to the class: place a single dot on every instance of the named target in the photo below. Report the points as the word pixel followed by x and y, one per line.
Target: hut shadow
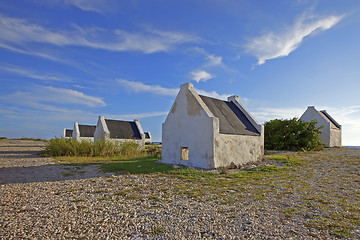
pixel 49 173
pixel 21 154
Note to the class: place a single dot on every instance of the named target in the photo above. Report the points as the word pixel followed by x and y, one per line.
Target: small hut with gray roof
pixel 148 138
pixel 118 130
pixel 331 132
pixel 67 133
pixel 208 133
pixel 83 132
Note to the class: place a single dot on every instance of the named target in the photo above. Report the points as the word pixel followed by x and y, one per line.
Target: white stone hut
pixel 67 133
pixel 83 132
pixel 117 130
pixel 148 138
pixel 209 133
pixel 331 132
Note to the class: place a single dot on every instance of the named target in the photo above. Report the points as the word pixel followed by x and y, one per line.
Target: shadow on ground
pixel 49 173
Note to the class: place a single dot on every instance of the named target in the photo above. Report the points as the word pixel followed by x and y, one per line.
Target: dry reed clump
pixel 86 148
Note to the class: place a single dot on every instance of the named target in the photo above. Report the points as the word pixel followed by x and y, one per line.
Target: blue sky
pixel 73 60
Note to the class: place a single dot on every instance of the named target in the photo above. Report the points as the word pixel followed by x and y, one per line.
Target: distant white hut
pixel 148 138
pixel 208 133
pixel 331 132
pixel 83 132
pixel 117 130
pixel 67 133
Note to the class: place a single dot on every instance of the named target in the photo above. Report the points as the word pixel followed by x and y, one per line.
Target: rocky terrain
pixel 318 199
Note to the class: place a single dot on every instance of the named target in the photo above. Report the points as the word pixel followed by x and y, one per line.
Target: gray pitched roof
pixel 330 119
pixel 87 130
pixel 68 132
pixel 231 119
pixel 123 129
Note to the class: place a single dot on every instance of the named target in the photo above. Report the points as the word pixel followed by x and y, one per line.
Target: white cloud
pixel 99 6
pixel 201 76
pixel 214 60
pixel 39 95
pixel 274 45
pixel 18 31
pixel 266 114
pixel 29 74
pixel 212 94
pixel 156 89
pixel 36 53
pixel 137 115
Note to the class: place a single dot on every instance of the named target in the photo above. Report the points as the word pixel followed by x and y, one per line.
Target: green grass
pixel 287 159
pixel 144 165
pixel 71 147
pixel 157 230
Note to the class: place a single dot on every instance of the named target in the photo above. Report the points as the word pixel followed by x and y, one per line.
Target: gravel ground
pixel 39 201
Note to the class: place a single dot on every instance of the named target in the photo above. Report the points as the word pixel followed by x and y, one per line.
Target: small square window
pixel 184 153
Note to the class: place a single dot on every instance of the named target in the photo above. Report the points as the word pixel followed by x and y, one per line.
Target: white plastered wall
pixel 239 149
pixel 335 137
pixel 101 130
pixel 76 131
pixel 188 125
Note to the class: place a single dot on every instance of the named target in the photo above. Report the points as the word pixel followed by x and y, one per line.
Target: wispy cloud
pixel 36 97
pixel 19 31
pixel 155 89
pixel 211 59
pixel 280 44
pixel 30 74
pixel 267 114
pixel 158 90
pixel 99 6
pixel 36 53
pixel 213 94
pixel 137 115
pixel 201 76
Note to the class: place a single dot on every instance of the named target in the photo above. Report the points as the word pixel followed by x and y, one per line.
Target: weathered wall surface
pixel 101 131
pixel 76 131
pixel 188 125
pixel 239 149
pixel 335 138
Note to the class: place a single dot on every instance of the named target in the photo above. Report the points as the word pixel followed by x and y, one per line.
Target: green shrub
pixel 292 135
pixel 86 148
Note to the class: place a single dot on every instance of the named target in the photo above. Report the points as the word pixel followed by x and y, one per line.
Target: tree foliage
pixel 292 135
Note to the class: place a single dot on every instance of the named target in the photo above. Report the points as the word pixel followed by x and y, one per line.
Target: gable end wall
pixel 188 124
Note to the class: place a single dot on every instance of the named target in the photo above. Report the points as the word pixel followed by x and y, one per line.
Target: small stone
pixel 233 165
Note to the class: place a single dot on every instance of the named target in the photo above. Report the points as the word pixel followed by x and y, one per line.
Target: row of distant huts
pixel 208 133
pixel 108 129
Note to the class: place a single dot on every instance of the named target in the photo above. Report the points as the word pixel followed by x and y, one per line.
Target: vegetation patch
pixel 292 135
pixel 101 148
